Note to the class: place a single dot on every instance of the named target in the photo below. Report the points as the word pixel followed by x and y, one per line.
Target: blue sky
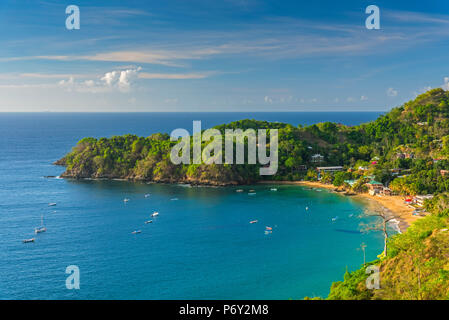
pixel 230 55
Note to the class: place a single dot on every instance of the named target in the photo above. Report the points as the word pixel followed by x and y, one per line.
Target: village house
pixel 374 187
pixel 387 191
pixel 317 158
pixel 322 170
pixel 419 200
pixel 405 155
pixel 351 182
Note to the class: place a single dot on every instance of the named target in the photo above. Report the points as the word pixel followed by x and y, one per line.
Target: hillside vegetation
pixel 419 127
pixel 406 149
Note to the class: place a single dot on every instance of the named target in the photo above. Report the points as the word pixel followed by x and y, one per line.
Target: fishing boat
pixel 149 221
pixel 52 204
pixel 254 221
pixel 147 195
pixel 155 214
pixel 41 228
pixel 125 200
pixel 28 240
pixel 239 190
pixel 334 219
pixel 269 229
pixel 136 232
pixel 274 189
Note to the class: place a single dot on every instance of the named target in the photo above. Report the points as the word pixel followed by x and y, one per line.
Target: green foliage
pixel 412 139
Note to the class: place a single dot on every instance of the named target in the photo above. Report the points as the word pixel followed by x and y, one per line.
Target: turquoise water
pixel 201 246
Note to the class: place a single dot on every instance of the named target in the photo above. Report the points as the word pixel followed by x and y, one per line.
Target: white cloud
pixel 173 76
pixel 120 80
pixel 423 90
pixel 445 86
pixel 171 101
pixel 392 92
pixel 267 99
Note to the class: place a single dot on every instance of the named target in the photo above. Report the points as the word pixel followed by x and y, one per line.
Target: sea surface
pixel 201 246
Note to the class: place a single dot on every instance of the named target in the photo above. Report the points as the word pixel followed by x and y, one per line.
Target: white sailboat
pixel 41 228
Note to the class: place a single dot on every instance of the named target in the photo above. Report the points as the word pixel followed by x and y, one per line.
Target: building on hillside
pixel 322 170
pixel 398 171
pixel 317 158
pixel 419 200
pixel 351 182
pixel 363 168
pixel 405 155
pixel 387 191
pixel 374 187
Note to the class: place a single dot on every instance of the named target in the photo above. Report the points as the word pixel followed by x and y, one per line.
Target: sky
pixel 221 55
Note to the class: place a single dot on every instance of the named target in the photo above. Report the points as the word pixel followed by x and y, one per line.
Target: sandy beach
pixel 394 204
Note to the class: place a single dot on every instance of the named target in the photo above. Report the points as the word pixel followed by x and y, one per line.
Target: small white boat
pixel 147 195
pixel 254 221
pixel 136 232
pixel 52 204
pixel 307 208
pixel 239 190
pixel 28 240
pixel 41 228
pixel 174 199
pixel 155 214
pixel 125 200
pixel 334 219
pixel 149 221
pixel 274 189
pixel 268 232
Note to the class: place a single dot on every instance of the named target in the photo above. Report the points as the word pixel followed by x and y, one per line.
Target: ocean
pixel 201 246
